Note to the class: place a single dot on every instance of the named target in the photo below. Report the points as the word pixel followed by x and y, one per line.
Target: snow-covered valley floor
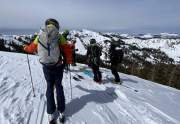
pixel 137 101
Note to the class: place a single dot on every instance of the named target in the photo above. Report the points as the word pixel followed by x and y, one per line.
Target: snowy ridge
pixel 165 42
pixel 91 103
pixel 169 46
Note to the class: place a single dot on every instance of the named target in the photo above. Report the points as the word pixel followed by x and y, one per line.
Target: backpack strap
pixel 42 45
pixel 47 48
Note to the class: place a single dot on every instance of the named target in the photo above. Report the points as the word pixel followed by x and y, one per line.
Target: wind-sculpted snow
pixel 136 101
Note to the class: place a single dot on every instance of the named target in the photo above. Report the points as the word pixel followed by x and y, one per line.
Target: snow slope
pixel 91 103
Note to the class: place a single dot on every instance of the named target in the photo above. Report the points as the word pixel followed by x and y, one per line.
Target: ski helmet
pixel 53 22
pixel 92 41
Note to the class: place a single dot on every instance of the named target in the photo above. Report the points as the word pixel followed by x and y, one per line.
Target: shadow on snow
pixel 100 97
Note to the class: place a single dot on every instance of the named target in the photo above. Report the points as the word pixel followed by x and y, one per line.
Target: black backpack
pixel 95 50
pixel 120 54
pixel 95 54
pixel 116 55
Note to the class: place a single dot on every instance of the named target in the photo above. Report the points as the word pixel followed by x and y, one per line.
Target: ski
pixel 76 78
pixel 113 81
pixel 80 76
pixel 121 84
pixel 130 88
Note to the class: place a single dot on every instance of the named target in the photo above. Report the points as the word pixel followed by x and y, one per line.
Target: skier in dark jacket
pixel 74 52
pixel 116 56
pixel 93 57
pixel 51 48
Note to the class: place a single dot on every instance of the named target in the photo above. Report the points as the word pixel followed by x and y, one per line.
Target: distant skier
pixel 52 49
pixel 93 56
pixel 116 56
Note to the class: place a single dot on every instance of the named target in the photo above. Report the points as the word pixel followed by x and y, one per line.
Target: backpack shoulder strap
pixel 42 45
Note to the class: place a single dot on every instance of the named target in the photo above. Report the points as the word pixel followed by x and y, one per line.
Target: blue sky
pixel 134 16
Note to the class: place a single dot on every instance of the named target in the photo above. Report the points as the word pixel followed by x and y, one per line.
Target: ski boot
pixel 52 119
pixel 61 118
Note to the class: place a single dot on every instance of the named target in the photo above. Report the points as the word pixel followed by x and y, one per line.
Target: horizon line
pixel 33 30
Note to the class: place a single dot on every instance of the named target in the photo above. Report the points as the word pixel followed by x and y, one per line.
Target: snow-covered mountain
pixel 150 56
pixel 168 44
pixel 136 101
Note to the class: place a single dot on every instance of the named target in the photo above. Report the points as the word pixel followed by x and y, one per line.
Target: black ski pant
pixel 115 72
pixel 53 76
pixel 74 57
pixel 97 73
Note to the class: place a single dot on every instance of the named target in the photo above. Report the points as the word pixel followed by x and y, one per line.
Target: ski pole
pixel 70 80
pixel 30 75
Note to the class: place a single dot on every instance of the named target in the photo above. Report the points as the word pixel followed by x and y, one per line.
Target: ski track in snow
pixel 91 102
